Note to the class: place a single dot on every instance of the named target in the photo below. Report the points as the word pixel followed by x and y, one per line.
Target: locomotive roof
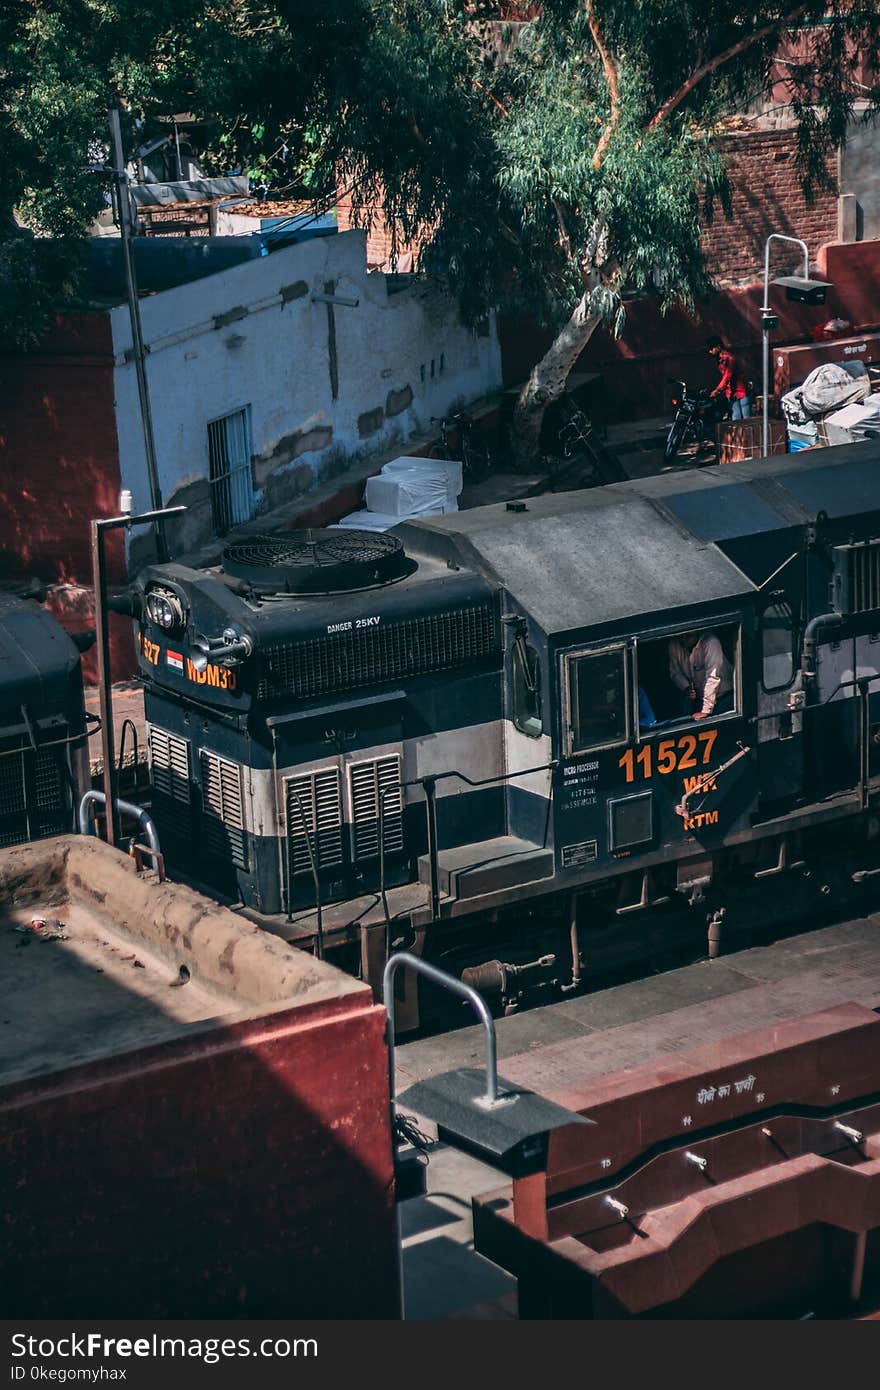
pixel 36 660
pixel 589 558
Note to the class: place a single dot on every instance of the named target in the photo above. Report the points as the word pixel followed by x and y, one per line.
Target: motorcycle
pixel 696 416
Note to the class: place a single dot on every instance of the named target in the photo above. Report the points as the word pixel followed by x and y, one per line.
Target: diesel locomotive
pixel 44 766
pixel 435 736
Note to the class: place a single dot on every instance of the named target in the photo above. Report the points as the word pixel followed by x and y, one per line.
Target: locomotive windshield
pixel 598 699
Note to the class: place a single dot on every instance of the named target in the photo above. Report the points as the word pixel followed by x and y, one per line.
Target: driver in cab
pixel 701 671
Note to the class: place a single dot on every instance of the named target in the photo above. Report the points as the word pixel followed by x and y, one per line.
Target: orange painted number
pixel 666 755
pixel 708 741
pixel 688 746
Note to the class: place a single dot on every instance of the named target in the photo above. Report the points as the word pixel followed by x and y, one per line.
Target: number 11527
pixel 669 755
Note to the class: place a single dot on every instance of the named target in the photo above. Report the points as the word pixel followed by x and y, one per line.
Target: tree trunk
pixel 547 383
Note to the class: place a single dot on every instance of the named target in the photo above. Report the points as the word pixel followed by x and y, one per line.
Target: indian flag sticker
pixel 174 659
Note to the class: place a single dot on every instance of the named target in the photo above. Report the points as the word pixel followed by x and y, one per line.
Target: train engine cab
pixel 532 743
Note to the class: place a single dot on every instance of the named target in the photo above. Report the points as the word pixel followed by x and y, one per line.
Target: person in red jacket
pixel 731 384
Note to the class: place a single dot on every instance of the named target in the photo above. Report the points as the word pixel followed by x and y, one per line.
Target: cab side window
pixel 598 700
pixel 777 647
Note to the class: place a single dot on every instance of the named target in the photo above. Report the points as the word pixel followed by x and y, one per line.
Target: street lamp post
pixel 139 350
pixel 802 291
pixel 99 579
pixel 769 320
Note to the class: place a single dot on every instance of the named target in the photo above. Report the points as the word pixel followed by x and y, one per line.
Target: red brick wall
pixel 767 197
pixel 378 234
pixel 59 459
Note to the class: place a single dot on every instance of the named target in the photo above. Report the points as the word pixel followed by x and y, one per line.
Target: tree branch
pixel 719 60
pixel 503 109
pixel 564 238
pixel 415 131
pixel 611 79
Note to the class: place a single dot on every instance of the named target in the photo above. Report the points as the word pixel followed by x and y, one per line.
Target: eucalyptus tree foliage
pixel 62 63
pixel 571 160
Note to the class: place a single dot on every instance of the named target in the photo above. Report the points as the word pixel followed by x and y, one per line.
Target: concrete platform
pixel 595 1035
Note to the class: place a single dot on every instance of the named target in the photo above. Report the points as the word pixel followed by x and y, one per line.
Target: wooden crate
pixel 741 439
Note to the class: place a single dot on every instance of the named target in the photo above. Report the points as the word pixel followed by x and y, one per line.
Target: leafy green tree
pixel 569 160
pixel 62 62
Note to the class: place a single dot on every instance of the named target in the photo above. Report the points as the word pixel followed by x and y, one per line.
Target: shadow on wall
pixel 235 1172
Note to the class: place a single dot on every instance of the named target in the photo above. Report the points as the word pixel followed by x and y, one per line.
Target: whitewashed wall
pixel 252 336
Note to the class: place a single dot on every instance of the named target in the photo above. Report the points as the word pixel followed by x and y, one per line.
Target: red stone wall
pixel 59 458
pixel 59 468
pixel 245 1171
pixel 767 197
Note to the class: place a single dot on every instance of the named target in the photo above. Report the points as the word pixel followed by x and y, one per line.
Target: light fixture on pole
pixel 99 579
pixel 801 291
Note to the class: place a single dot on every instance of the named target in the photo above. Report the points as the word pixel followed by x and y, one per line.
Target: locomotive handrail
pixel 428 785
pixel 49 742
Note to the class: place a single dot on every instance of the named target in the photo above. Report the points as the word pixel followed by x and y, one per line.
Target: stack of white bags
pixel 408 487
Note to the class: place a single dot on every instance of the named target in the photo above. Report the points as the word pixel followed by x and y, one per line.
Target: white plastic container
pixel 449 469
pixel 408 493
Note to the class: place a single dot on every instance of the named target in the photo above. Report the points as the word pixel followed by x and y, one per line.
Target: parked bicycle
pixel 696 416
pixel 574 434
pixel 474 453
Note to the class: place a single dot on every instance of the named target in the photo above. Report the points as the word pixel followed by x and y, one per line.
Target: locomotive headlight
pixel 165 609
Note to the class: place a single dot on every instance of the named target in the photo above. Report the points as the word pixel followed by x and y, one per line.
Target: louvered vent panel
pixel 314 805
pixel 347 660
pixel 368 783
pixel 223 832
pixel 172 792
pixel 856 584
pixel 865 561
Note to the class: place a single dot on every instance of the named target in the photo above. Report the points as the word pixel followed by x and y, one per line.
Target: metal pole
pixel 177 150
pixel 430 787
pixel 123 200
pixel 99 580
pixel 765 330
pixel 765 403
pixel 440 977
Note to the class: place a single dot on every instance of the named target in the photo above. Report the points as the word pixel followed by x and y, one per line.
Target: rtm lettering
pixel 219 676
pixel 704 818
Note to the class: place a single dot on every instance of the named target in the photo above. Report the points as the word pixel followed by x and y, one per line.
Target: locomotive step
pixel 467 871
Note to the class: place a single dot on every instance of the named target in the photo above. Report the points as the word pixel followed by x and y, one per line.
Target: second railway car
pixel 437 736
pixel 44 766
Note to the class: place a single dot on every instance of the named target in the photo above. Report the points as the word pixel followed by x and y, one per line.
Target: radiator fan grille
pixel 317 562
